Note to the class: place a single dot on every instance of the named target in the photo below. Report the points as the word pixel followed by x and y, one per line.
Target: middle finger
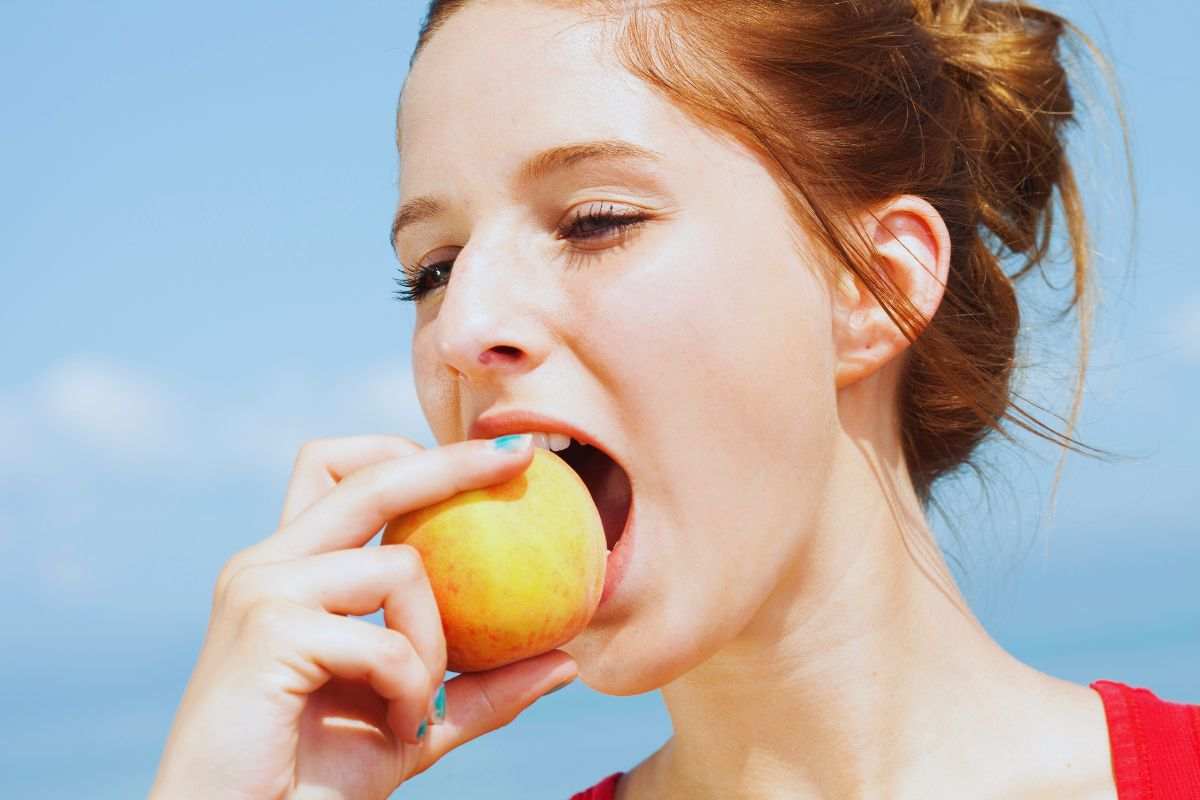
pixel 358 582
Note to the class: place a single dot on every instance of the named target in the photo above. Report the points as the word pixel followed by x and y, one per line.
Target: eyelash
pixel 413 281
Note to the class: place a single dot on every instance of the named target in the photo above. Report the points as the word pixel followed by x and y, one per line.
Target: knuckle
pixel 395 652
pixel 371 478
pixel 238 562
pixel 377 484
pixel 407 445
pixel 245 587
pixel 405 560
pixel 486 696
pixel 267 620
pixel 322 450
pixel 313 451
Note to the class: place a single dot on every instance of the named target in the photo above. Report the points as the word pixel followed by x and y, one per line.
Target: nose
pixel 489 322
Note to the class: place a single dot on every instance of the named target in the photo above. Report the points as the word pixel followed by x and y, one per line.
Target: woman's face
pixel 695 345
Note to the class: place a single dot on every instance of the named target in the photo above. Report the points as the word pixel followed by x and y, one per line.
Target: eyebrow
pixel 535 168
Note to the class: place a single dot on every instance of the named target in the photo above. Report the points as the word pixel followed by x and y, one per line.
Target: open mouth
pixel 607 482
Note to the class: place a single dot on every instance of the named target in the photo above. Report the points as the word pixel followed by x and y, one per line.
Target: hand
pixel 292 696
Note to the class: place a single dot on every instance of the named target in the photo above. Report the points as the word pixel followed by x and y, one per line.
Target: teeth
pixel 551 441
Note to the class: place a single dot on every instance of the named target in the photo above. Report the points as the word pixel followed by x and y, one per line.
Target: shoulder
pixel 1154 742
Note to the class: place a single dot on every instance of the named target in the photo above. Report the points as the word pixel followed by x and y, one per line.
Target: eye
pixel 414 282
pixel 595 225
pixel 597 220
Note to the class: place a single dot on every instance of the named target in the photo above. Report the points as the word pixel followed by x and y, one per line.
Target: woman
pixel 753 251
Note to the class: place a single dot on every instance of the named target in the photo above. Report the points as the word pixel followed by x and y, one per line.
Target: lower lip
pixel 618 559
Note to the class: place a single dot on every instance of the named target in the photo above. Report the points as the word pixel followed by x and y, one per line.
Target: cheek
pixel 729 378
pixel 435 389
pixel 724 337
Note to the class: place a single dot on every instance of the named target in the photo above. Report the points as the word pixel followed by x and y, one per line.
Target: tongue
pixel 609 487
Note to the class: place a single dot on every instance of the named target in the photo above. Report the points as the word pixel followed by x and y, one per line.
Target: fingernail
pixel 421 729
pixel 439 705
pixel 562 685
pixel 513 442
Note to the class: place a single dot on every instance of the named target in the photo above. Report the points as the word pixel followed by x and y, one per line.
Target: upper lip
pixel 521 421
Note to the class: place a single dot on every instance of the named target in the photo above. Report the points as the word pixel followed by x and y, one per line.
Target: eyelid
pixel 599 207
pixel 428 260
pixel 588 208
pixel 616 238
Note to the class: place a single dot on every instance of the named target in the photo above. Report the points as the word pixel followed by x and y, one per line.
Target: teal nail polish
pixel 513 442
pixel 421 730
pixel 439 705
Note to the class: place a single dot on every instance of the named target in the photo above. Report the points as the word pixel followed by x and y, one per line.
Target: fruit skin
pixel 517 568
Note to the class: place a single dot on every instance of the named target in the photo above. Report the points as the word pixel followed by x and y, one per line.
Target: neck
pixel 864 663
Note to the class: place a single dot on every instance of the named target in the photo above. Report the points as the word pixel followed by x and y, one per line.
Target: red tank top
pixel 1155 747
pixel 1155 743
pixel 604 790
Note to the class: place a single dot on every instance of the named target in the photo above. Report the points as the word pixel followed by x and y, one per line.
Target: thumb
pixel 480 702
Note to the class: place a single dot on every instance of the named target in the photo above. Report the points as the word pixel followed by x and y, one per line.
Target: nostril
pixel 501 353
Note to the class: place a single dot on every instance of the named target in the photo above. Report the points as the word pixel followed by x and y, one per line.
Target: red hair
pixel 962 102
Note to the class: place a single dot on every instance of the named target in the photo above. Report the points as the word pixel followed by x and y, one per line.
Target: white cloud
pixel 88 406
pixel 108 406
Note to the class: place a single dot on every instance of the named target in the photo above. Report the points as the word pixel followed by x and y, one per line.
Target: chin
pixel 624 664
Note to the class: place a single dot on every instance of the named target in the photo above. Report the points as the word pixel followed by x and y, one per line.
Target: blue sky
pixel 197 280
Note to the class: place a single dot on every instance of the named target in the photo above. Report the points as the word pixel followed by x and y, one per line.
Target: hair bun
pixel 1014 100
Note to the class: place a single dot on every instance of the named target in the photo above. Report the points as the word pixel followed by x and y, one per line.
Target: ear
pixel 911 245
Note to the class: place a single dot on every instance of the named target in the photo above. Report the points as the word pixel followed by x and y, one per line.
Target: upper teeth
pixel 551 441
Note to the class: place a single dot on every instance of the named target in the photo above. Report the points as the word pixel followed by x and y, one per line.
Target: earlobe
pixel 911 251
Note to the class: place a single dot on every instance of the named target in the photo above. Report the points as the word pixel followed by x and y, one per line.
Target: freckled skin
pixel 517 569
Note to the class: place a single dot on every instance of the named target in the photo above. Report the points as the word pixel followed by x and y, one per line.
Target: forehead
pixel 507 78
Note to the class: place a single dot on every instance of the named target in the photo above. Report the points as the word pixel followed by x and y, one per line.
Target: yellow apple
pixel 517 568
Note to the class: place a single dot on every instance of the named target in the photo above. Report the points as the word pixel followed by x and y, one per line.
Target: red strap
pixel 604 790
pixel 1155 743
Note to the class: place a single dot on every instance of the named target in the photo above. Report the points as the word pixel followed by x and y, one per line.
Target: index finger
pixel 322 463
pixel 366 500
